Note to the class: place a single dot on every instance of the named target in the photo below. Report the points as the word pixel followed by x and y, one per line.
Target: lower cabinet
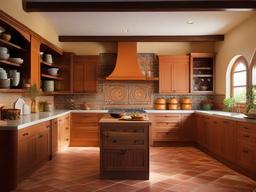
pixel 63 124
pixel 33 147
pixel 246 146
pixel 124 151
pixel 231 141
pixel 85 129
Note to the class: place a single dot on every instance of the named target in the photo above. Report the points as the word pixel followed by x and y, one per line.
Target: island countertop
pixel 109 119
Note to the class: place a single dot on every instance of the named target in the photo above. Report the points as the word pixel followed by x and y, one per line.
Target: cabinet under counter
pixel 124 149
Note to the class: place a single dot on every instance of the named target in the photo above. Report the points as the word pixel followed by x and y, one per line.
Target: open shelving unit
pixel 202 72
pixel 18 47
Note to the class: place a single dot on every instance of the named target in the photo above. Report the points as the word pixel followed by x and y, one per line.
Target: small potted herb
pixel 229 103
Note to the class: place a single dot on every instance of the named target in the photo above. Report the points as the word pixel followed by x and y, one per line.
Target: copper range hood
pixel 127 67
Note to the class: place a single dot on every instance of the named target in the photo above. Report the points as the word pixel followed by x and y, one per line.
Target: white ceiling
pixel 146 23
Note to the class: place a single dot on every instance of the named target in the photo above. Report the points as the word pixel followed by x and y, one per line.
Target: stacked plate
pixel 4 81
pixel 15 77
pixel 4 55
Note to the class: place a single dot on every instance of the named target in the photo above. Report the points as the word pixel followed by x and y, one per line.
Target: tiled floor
pixel 175 169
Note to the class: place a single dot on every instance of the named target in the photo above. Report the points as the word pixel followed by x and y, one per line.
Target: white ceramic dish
pixel 3 50
pixel 4 56
pixel 53 71
pixel 16 60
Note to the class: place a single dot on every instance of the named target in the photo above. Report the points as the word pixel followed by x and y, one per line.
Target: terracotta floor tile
pixel 172 169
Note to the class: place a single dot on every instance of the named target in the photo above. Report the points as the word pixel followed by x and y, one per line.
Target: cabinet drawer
pixel 124 159
pixel 165 136
pixel 247 127
pixel 119 139
pixel 85 118
pixel 247 157
pixel 33 130
pixel 247 137
pixel 127 129
pixel 167 125
pixel 166 118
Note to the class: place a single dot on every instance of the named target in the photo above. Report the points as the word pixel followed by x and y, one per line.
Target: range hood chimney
pixel 127 67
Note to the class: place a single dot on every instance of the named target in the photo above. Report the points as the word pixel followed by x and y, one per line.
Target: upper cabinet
pixel 14 56
pixel 173 74
pixel 202 72
pixel 85 74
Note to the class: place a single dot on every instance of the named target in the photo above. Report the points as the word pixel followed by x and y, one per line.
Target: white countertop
pixel 32 119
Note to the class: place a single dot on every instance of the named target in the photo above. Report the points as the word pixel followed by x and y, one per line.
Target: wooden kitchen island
pixel 124 149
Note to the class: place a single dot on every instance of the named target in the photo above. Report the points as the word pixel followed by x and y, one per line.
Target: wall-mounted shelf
pixel 12 90
pixel 10 45
pixel 6 62
pixel 51 65
pixel 52 77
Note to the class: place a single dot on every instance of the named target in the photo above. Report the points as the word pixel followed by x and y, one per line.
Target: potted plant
pixel 251 102
pixel 33 92
pixel 229 103
pixel 206 105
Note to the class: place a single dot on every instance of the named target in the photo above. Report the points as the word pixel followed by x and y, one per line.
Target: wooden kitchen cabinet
pixel 85 129
pixel 173 74
pixel 33 147
pixel 215 133
pixel 229 140
pixel 54 137
pixel 188 129
pixel 165 127
pixel 63 132
pixel 124 150
pixel 85 74
pixel 246 147
pixel 202 134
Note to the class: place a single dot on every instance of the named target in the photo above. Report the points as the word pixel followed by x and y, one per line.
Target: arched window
pixel 239 80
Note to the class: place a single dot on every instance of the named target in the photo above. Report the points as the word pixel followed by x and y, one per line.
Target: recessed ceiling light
pixel 190 22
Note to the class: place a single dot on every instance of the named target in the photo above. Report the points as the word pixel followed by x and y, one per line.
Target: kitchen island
pixel 124 149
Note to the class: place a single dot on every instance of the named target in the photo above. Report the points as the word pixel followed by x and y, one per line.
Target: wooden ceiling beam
pixel 139 6
pixel 186 38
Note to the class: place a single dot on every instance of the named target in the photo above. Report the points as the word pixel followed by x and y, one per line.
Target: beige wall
pixel 35 21
pixel 173 48
pixel 239 41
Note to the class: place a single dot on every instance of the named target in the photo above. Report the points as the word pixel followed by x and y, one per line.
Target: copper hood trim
pixel 127 67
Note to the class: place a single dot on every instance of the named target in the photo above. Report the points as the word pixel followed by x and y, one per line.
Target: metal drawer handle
pixel 123 151
pixel 67 139
pixel 245 151
pixel 67 128
pixel 48 127
pixel 247 136
pixel 40 136
pixel 114 141
pixel 25 134
pixel 246 127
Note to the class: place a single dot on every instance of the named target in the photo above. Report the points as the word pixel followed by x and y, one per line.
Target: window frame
pixel 239 60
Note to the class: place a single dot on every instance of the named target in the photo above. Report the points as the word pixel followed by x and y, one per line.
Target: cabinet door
pixel 84 129
pixel 215 136
pixel 85 74
pixel 187 132
pixel 124 160
pixel 27 155
pixel 90 83
pixel 42 146
pixel 180 74
pixel 78 76
pixel 173 74
pixel 54 137
pixel 230 143
pixel 165 75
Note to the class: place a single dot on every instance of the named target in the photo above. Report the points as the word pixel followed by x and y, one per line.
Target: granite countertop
pixel 32 119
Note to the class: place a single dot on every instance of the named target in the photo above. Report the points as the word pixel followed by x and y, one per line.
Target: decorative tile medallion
pixel 116 94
